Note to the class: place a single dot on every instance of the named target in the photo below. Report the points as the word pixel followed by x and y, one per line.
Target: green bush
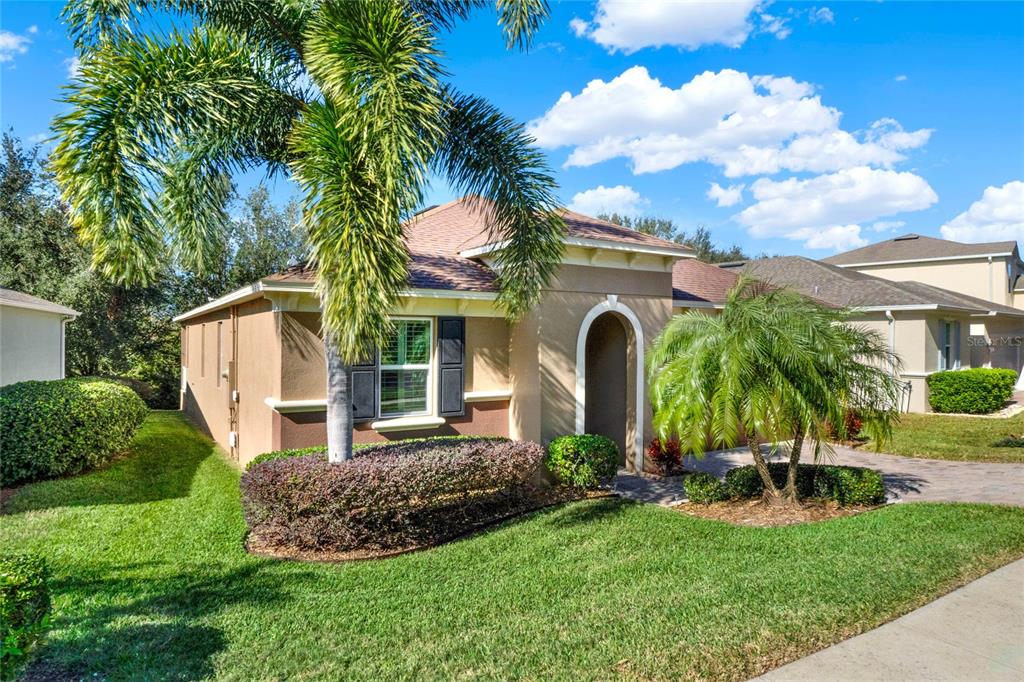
pixel 583 460
pixel 56 428
pixel 703 488
pixel 845 485
pixel 970 391
pixel 1009 442
pixel 24 609
pixel 321 450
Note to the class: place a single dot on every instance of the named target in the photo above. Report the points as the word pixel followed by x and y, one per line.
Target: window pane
pixel 409 345
pixel 403 391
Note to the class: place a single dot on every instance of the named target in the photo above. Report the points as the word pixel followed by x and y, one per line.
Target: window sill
pixel 485 396
pixel 407 424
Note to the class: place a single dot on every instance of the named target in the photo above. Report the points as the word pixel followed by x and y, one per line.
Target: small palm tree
pixel 773 366
pixel 349 97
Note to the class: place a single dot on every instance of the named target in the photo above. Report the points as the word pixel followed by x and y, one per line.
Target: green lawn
pixel 966 439
pixel 151 581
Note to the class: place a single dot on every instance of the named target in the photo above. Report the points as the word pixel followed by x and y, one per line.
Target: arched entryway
pixel 610 379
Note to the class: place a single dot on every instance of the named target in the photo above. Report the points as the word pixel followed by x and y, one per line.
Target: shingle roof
pixel 910 247
pixel 437 236
pixel 21 300
pixel 694 280
pixel 849 288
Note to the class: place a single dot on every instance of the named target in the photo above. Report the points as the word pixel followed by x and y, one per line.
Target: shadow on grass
pixel 160 465
pixel 161 625
pixel 588 512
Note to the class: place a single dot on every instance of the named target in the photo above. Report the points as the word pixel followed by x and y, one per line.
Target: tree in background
pixel 772 366
pixel 350 97
pixel 665 228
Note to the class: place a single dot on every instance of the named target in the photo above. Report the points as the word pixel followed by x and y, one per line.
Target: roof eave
pixel 681 252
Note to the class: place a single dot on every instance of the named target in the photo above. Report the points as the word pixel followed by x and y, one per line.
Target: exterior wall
pixel 998 343
pixel 207 393
pixel 31 345
pixel 973 277
pixel 258 375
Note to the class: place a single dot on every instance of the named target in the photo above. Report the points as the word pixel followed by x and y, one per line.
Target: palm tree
pixel 774 366
pixel 349 97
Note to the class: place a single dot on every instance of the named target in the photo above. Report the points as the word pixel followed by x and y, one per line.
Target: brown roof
pixel 911 247
pixel 849 288
pixel 694 280
pixel 437 236
pixel 22 300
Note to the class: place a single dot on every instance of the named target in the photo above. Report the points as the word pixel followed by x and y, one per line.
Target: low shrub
pixel 703 488
pixel 583 460
pixel 846 485
pixel 970 391
pixel 56 428
pixel 321 450
pixel 24 609
pixel 666 457
pixel 853 422
pixel 389 496
pixel 1009 442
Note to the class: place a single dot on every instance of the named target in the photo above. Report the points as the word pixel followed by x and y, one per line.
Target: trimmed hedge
pixel 846 485
pixel 583 460
pixel 390 496
pixel 970 391
pixel 62 427
pixel 703 488
pixel 321 450
pixel 24 609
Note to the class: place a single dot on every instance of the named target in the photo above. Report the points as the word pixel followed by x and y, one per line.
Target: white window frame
pixel 429 367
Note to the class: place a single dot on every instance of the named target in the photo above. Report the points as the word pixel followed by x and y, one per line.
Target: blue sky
pixel 783 127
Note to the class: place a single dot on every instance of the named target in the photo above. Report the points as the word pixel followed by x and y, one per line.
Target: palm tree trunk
pixel 339 406
pixel 771 492
pixel 789 492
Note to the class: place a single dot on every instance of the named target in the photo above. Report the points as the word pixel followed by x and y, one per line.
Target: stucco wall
pixel 30 345
pixel 974 277
pixel 207 393
pixel 259 359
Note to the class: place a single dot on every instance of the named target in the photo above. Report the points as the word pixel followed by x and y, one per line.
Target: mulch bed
pixel 544 498
pixel 756 513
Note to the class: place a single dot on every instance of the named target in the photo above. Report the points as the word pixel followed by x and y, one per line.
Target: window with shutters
pixel 404 369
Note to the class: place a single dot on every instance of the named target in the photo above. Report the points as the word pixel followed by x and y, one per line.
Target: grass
pixel 964 439
pixel 150 581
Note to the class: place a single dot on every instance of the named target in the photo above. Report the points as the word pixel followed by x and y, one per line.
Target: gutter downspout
pixel 63 345
pixel 991 293
pixel 892 338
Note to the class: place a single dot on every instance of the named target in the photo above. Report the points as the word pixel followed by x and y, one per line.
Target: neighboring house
pixel 927 326
pixel 253 364
pixel 31 337
pixel 992 271
pixel 699 285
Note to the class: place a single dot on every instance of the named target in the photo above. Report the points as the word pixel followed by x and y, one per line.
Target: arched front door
pixel 610 378
pixel 605 412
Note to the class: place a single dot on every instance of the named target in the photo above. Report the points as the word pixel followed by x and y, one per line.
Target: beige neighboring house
pixel 32 334
pixel 927 326
pixel 992 271
pixel 253 371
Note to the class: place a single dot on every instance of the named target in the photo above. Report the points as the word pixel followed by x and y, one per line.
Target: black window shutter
pixel 364 390
pixel 451 359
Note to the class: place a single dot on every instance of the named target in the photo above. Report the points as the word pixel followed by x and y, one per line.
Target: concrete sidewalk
pixel 975 633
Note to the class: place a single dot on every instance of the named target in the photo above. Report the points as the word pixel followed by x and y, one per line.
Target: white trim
pixel 483 396
pixel 679 303
pixel 910 261
pixel 63 344
pixel 283 406
pixel 54 308
pixel 612 304
pixel 916 375
pixel 680 252
pixel 428 366
pixel 407 423
pixel 247 292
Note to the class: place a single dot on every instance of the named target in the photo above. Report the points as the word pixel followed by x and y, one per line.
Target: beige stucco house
pixel 992 271
pixel 927 326
pixel 253 371
pixel 32 332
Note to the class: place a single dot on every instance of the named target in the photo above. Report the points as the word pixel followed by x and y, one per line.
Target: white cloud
pixel 687 24
pixel 38 138
pixel 821 15
pixel 887 225
pixel 32 30
pixel 620 199
pixel 777 26
pixel 900 78
pixel 12 44
pixel 997 216
pixel 74 65
pixel 826 211
pixel 725 196
pixel 745 124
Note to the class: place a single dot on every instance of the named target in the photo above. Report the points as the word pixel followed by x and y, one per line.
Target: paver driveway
pixel 906 478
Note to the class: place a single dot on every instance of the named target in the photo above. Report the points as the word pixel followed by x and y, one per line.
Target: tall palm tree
pixel 349 97
pixel 773 366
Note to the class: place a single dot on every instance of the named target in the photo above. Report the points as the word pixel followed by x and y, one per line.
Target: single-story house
pixel 253 364
pixel 32 332
pixel 929 327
